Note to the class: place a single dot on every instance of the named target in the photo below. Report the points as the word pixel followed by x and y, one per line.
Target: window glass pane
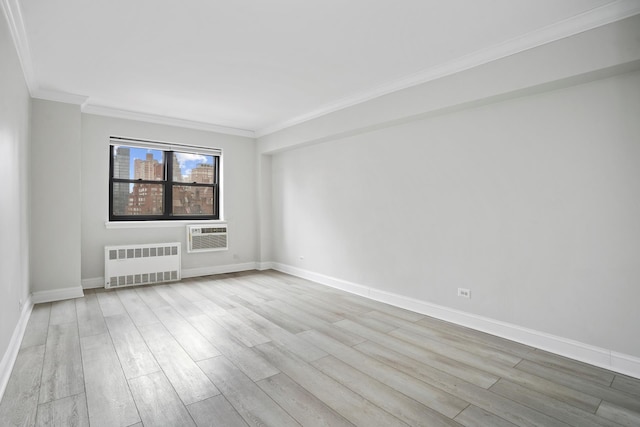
pixel 188 200
pixel 190 167
pixel 137 199
pixel 120 198
pixel 138 163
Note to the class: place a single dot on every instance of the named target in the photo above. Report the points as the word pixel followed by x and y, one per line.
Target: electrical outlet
pixel 465 293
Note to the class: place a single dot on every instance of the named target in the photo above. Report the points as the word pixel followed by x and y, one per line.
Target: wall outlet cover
pixel 465 293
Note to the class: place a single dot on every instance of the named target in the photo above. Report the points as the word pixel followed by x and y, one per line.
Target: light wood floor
pixel 273 350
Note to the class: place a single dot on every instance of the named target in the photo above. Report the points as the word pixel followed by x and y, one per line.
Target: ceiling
pixel 259 66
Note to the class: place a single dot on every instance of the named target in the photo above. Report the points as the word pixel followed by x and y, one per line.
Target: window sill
pixel 158 224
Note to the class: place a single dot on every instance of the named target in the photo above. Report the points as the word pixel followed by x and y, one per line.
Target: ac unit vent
pixel 141 264
pixel 207 238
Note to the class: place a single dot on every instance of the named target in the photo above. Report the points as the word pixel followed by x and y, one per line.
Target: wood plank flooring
pixel 268 349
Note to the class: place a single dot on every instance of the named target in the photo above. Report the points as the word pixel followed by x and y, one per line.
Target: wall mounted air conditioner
pixel 206 238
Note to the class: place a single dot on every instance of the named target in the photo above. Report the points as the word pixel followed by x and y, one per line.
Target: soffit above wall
pixel 252 68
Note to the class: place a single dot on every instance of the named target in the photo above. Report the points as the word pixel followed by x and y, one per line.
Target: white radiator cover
pixel 142 264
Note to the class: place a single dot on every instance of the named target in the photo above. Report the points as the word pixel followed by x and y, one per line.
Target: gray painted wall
pixel 55 196
pixel 15 112
pixel 239 198
pixel 532 203
pixel 517 179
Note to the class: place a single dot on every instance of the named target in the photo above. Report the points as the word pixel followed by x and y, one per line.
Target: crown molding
pixel 611 12
pixel 86 107
pixel 52 95
pixel 12 12
pixel 163 120
pixel 589 20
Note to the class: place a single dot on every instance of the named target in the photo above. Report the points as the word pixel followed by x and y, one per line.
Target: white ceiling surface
pixel 263 65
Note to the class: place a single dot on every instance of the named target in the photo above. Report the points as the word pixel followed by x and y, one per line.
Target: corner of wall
pixel 597 356
pixel 10 355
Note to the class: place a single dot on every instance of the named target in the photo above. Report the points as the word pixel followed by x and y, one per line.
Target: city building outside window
pixel 160 181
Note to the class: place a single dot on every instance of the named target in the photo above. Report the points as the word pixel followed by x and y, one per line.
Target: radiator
pixel 133 265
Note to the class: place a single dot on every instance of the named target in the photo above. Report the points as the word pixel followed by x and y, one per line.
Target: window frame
pixel 168 150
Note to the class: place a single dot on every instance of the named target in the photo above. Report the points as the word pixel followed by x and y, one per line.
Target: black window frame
pixel 167 183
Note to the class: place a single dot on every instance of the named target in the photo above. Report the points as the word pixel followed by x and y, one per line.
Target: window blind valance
pixel 166 146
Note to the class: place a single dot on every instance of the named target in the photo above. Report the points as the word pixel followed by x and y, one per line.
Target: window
pixel 158 181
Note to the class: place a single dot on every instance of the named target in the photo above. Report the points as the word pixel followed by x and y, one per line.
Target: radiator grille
pixel 141 264
pixel 209 241
pixel 144 252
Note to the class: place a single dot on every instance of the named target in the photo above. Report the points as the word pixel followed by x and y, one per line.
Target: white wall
pixel 239 197
pixel 517 179
pixel 532 203
pixel 55 200
pixel 15 106
pixel 264 186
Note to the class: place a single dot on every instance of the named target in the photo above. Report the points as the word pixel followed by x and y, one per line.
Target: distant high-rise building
pixel 145 198
pixel 149 169
pixel 195 200
pixel 203 173
pixel 177 172
pixel 121 161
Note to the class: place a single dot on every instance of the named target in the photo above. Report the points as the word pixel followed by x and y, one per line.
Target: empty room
pixel 311 213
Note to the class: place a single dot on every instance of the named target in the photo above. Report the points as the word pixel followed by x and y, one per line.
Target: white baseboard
pixel 333 282
pixel 218 269
pixel 93 283
pixel 624 363
pixel 601 357
pixel 9 358
pixel 57 294
pixel 264 266
pixel 98 282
